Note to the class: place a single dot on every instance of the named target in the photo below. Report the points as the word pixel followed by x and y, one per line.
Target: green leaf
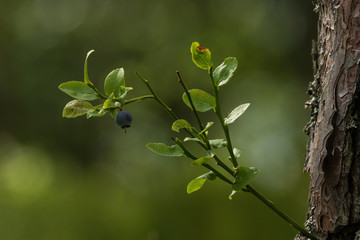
pixel 124 91
pixel 218 143
pixel 243 177
pixel 198 182
pixel 237 152
pixel 108 102
pixel 225 71
pixel 76 108
pixel 180 123
pixel 201 56
pixel 200 161
pixel 86 76
pixel 115 83
pixel 109 106
pixel 165 150
pixel 202 100
pixel 195 185
pixel 208 125
pixel 79 90
pixel 237 112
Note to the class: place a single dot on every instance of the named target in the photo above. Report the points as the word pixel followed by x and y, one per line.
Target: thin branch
pixel 280 213
pixel 166 107
pixel 218 161
pixel 138 99
pixel 189 155
pixel 218 174
pixel 159 100
pixel 97 91
pixel 221 119
pixel 183 84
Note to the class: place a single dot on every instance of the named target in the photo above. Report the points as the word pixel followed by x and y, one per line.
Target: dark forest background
pixel 84 179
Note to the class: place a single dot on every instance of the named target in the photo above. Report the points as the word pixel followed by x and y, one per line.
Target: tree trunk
pixel 333 151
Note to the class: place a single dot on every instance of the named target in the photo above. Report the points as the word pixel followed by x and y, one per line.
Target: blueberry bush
pixel 114 100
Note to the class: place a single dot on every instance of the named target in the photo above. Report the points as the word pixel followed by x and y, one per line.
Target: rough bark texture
pixel 333 151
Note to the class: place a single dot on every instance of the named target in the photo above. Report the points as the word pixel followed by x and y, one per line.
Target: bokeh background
pixel 80 179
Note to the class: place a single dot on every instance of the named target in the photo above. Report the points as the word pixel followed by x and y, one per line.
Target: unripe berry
pixel 123 119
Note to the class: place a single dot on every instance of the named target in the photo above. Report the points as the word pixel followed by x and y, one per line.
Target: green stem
pixel 218 161
pixel 161 102
pixel 229 145
pixel 138 99
pixel 249 188
pixel 223 165
pixel 189 155
pixel 181 81
pixel 97 91
pixel 221 119
pixel 186 152
pixel 222 177
pixel 280 213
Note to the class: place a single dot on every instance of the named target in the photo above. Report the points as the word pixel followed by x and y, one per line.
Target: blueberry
pixel 123 119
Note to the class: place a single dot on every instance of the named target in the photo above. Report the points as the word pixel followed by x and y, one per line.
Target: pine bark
pixel 333 151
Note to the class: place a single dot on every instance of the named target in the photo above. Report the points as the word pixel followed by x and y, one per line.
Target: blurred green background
pixel 87 179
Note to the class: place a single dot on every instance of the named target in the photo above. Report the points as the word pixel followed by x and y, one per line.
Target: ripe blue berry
pixel 123 119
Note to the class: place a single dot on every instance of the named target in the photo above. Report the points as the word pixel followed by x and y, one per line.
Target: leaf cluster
pixel 113 98
pixel 199 101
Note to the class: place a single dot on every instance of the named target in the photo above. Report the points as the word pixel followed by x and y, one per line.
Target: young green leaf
pixel 110 106
pixel 243 177
pixel 237 152
pixel 200 161
pixel 180 123
pixel 79 90
pixel 76 108
pixel 198 182
pixel 201 56
pixel 108 102
pixel 123 92
pixel 225 71
pixel 115 82
pixel 86 76
pixel 237 112
pixel 208 125
pixel 218 143
pixel 195 185
pixel 202 100
pixel 165 150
